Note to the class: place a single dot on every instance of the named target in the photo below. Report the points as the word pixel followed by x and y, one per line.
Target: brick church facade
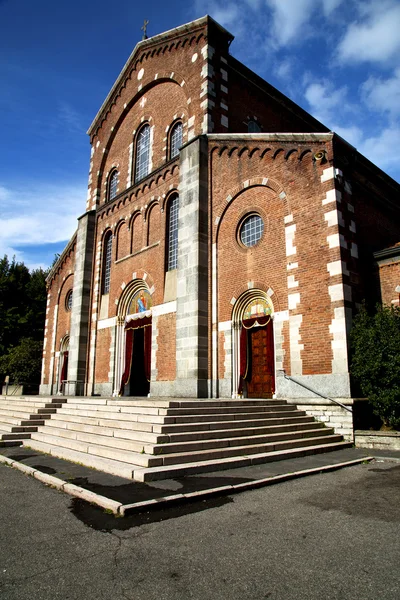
pixel 227 241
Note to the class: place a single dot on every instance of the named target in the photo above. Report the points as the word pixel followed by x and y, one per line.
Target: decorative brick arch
pixel 127 290
pixel 267 182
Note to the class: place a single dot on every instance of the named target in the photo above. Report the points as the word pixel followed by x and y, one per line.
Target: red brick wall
pixel 61 283
pixel 265 264
pixel 389 275
pixel 166 342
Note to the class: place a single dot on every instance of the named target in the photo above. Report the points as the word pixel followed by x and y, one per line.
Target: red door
pixel 260 377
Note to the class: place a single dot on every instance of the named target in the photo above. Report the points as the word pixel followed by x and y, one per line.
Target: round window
pixel 68 300
pixel 251 230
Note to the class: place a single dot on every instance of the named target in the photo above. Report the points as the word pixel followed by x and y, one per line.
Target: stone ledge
pixel 380 440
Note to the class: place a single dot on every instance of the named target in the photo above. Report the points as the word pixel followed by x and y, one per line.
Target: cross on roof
pixel 144 28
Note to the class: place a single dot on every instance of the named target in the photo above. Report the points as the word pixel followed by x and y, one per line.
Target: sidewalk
pixel 124 496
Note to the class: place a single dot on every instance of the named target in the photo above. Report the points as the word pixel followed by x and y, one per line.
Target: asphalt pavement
pixel 332 536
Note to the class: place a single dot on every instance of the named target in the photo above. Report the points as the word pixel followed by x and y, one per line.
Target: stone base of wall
pixel 12 390
pixel 334 385
pixel 378 440
pixel 332 415
pixel 45 389
pixel 103 389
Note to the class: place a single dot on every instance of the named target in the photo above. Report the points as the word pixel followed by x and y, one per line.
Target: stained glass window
pixel 251 230
pixel 142 167
pixel 253 127
pixel 113 185
pixel 68 300
pixel 172 249
pixel 176 139
pixel 107 263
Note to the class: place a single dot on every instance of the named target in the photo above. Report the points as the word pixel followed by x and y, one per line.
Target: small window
pixel 107 249
pixel 251 230
pixel 172 234
pixel 253 127
pixel 113 185
pixel 175 139
pixel 68 300
pixel 142 163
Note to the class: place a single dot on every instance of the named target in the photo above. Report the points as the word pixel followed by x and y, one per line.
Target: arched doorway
pixel 133 351
pixel 253 346
pixel 63 365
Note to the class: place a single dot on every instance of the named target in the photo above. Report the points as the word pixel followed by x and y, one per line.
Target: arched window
pixel 172 233
pixel 142 161
pixel 175 140
pixel 107 250
pixel 253 127
pixel 68 301
pixel 112 184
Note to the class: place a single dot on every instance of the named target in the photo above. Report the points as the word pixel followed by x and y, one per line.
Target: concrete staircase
pixel 150 439
pixel 21 416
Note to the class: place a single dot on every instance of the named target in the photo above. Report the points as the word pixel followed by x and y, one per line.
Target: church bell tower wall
pixel 80 316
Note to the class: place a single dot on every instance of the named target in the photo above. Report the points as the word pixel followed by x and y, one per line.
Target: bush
pixel 23 362
pixel 375 364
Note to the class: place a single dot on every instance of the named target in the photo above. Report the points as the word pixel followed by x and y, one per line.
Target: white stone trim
pixel 105 323
pixel 296 363
pixel 332 196
pixel 164 309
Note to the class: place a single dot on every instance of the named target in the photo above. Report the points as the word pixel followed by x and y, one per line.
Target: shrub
pixel 375 340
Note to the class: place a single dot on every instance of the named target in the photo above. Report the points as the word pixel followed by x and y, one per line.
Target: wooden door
pixel 260 378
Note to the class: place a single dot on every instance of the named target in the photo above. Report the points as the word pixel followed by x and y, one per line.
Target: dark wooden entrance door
pixel 260 378
pixel 139 386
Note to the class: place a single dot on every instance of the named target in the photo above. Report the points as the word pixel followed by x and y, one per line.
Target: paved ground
pixel 128 491
pixel 333 536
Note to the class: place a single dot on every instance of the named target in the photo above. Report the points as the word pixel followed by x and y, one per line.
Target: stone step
pixel 115 467
pixel 135 458
pixel 21 422
pixel 30 399
pixel 7 435
pixel 116 407
pixel 245 449
pixel 118 416
pixel 226 410
pixel 220 425
pixel 103 430
pixel 183 470
pixel 231 442
pixel 95 421
pixel 25 405
pixel 147 460
pixel 171 402
pixel 240 416
pixel 43 413
pixel 17 428
pixel 240 432
pixel 98 440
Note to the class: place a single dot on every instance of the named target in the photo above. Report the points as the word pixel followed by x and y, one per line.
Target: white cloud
pixel 289 17
pixel 284 69
pixel 351 133
pixel 225 14
pixel 324 100
pixel 376 37
pixel 330 5
pixel 43 215
pixel 383 94
pixel 383 149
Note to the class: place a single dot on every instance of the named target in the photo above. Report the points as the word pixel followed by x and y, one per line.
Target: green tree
pixel 23 362
pixel 375 340
pixel 22 318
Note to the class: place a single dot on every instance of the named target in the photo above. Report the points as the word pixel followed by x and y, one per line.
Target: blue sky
pixel 338 59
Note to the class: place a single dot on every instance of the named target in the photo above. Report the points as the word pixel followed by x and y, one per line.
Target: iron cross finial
pixel 145 29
